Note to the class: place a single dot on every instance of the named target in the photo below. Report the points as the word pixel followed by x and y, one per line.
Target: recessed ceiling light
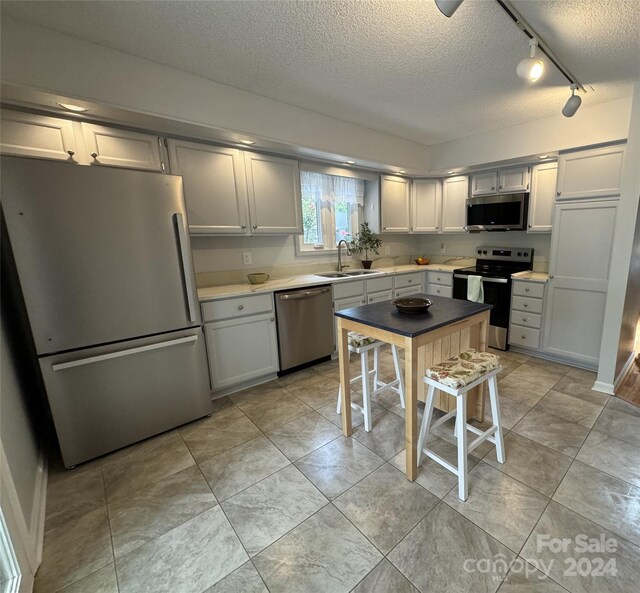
pixel 247 142
pixel 350 162
pixel 543 156
pixel 72 107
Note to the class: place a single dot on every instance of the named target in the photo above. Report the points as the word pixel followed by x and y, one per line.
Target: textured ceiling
pixel 398 67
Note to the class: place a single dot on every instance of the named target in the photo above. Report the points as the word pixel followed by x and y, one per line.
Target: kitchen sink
pixel 361 272
pixel 332 275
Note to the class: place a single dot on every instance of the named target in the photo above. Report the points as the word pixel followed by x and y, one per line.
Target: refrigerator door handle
pixel 186 265
pixel 102 357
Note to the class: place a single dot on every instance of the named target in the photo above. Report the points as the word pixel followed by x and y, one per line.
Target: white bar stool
pixel 457 376
pixel 362 345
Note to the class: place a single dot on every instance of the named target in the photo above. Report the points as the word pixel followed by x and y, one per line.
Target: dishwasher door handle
pixel 302 294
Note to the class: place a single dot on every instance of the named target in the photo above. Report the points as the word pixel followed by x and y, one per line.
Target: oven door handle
pixel 494 280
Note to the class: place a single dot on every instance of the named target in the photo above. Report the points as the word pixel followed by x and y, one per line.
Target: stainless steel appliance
pixel 104 265
pixel 305 326
pixel 504 212
pixel 495 265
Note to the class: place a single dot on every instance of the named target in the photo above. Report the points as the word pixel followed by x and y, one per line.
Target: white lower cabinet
pixel 241 346
pixel 377 297
pixel 581 244
pixel 527 305
pixel 405 292
pixel 440 283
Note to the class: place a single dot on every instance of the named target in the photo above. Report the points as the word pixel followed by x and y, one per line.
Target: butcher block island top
pixel 385 316
pixel 447 328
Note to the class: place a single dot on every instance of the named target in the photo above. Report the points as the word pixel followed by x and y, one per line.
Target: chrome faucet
pixel 340 266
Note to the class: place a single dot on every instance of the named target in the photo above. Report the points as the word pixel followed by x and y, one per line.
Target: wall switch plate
pixel 443 248
pixel 387 250
pixel 247 260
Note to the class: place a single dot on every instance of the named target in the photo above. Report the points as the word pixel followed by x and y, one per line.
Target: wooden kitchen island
pixel 449 327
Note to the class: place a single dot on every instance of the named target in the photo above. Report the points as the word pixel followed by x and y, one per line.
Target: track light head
pixel 531 68
pixel 573 103
pixel 448 7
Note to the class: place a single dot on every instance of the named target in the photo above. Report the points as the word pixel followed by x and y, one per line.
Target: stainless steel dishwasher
pixel 305 325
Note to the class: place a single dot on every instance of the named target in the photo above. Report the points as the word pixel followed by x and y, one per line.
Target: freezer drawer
pixel 108 397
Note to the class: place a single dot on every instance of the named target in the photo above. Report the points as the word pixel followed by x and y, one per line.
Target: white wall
pixel 593 124
pixel 465 244
pixel 39 58
pixel 621 253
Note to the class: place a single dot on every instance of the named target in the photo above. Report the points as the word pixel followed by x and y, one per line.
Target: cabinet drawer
pixel 445 278
pixel 440 290
pixel 378 284
pixel 524 336
pixel 526 304
pixel 528 289
pixel 405 292
pixel 404 280
pixel 533 320
pixel 377 297
pixel 345 290
pixel 250 305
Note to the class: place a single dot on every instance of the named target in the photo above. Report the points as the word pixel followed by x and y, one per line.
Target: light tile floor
pixel 266 495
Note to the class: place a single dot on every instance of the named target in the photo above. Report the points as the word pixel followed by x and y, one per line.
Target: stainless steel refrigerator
pixel 104 265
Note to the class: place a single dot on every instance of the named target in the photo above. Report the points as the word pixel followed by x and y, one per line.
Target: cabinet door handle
pixel 525 305
pixel 240 307
pixel 524 319
pixel 244 226
pixel 94 155
pixel 493 188
pixel 551 277
pixel 437 227
pixel 523 337
pixel 530 226
pixel 526 290
pixel 500 187
pixel 70 152
pixel 384 228
pixel 272 319
pixel 255 226
pixel 558 193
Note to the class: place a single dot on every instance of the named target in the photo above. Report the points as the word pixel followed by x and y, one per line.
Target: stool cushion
pixel 357 340
pixel 463 369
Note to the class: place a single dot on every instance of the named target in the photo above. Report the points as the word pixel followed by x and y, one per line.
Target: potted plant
pixel 365 241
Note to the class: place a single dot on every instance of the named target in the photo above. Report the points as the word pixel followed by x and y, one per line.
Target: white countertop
pixel 231 290
pixel 531 276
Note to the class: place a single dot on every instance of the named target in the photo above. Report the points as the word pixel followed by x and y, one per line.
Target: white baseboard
pixel 603 387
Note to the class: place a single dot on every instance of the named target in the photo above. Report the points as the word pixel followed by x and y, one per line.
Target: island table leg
pixel 345 383
pixel 411 403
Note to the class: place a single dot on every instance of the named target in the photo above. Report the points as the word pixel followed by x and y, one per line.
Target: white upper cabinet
pixel 513 180
pixel 394 204
pixel 592 173
pixel 542 197
pixel 215 187
pixel 426 204
pixel 273 186
pixel 123 148
pixel 484 184
pixel 504 181
pixel 27 134
pixel 454 206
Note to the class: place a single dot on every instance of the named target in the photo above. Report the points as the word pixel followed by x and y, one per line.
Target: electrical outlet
pixel 247 260
pixel 387 250
pixel 443 248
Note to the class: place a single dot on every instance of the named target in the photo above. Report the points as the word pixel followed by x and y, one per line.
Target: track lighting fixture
pixel 448 7
pixel 573 102
pixel 531 68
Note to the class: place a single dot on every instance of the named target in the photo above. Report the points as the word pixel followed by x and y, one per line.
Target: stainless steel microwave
pixel 504 212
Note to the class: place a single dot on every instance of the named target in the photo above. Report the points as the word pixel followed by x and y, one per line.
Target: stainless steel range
pixel 495 265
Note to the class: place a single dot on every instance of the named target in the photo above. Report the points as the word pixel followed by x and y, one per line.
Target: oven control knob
pixel 519 253
pixel 526 254
pixel 479 251
pixel 484 252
